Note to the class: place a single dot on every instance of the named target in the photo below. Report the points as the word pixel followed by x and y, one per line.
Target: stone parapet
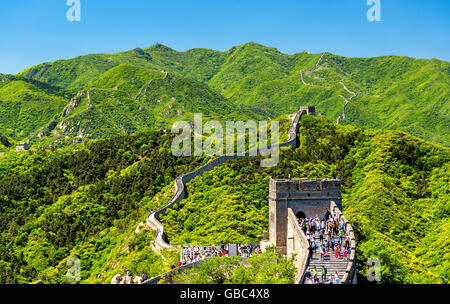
pixel 168 276
pixel 297 246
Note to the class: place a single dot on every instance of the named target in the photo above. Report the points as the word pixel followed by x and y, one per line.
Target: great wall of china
pixel 181 181
pixel 285 233
pixel 347 101
pixel 290 200
pixel 144 89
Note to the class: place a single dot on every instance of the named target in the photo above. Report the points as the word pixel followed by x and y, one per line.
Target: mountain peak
pixel 161 47
pixel 253 44
pixel 254 47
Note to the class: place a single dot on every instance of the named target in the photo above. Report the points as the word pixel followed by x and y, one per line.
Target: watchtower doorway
pixel 306 198
pixel 301 215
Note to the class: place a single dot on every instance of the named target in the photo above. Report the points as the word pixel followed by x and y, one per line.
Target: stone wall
pixel 310 198
pixel 287 198
pixel 308 110
pixel 144 89
pixel 168 276
pixel 180 183
pixel 22 147
pixel 297 245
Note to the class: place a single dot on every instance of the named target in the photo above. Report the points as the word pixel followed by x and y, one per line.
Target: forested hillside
pixel 395 193
pixel 396 93
pixel 5 143
pixel 123 100
pixel 84 202
pixel 87 201
pixel 27 106
pixel 127 99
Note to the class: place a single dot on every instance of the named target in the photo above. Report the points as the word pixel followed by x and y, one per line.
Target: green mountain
pixel 87 201
pixel 395 194
pixel 127 99
pixel 397 93
pixel 75 73
pixel 198 64
pixel 123 100
pixel 27 106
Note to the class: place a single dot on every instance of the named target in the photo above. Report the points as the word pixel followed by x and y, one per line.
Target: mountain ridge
pixel 393 92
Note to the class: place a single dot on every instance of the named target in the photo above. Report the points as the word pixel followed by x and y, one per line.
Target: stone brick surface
pixel 309 198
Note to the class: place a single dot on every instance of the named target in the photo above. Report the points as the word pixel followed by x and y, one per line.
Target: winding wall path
pixel 308 68
pixel 181 181
pixel 144 89
pixel 341 117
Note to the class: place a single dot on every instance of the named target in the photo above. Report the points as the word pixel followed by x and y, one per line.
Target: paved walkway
pixel 332 264
pixel 346 102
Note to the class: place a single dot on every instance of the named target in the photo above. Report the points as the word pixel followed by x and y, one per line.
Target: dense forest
pixel 86 201
pixel 395 193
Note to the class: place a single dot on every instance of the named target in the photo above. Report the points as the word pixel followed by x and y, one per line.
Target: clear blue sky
pixel 36 31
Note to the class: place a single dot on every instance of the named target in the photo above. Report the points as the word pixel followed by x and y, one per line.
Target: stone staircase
pixel 332 264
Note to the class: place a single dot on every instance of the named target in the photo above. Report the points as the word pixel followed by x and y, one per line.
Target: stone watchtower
pixel 306 198
pixel 308 110
pixel 23 146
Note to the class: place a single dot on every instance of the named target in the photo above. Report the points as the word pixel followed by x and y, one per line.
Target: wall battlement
pixel 306 190
pixel 306 198
pixel 308 110
pixel 300 198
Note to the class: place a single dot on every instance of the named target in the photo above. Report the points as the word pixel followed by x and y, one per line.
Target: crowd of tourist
pixel 313 278
pixel 332 238
pixel 192 254
pixel 129 278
